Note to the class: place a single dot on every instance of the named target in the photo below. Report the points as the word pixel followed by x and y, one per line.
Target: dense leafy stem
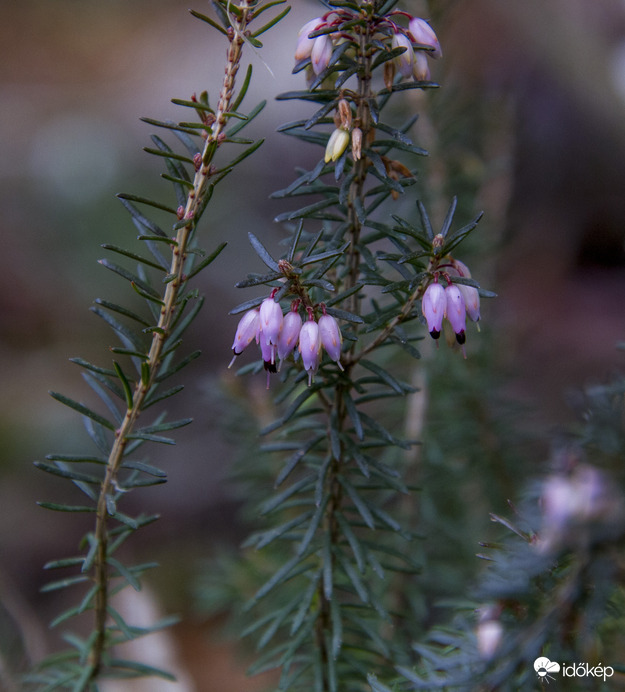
pixel 148 357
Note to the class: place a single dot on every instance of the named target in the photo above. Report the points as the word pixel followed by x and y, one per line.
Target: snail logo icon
pixel 544 667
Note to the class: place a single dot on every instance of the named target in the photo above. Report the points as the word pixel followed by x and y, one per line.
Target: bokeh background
pixel 531 119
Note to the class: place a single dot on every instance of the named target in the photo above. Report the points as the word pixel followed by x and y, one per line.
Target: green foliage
pixel 158 271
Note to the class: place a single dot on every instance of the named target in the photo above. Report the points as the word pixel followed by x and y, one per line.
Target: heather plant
pixel 332 586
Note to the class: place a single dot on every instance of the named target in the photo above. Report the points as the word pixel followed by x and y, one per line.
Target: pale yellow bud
pixel 337 144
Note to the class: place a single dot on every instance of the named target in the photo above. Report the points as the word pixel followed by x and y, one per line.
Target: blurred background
pixel 529 127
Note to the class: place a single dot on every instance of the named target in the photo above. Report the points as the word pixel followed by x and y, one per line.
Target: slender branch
pixel 150 367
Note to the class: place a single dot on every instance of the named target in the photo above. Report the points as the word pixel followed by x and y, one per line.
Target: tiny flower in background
pixel 456 311
pixel 423 34
pixel 310 346
pixel 331 337
pixel 288 338
pixel 489 632
pixel 433 307
pixel 337 143
pixel 247 330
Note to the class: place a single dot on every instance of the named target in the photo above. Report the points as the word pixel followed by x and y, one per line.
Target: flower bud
pixel 423 34
pixel 337 143
pixel 356 143
pixel 270 321
pixel 304 46
pixel 455 311
pixel 420 67
pixel 433 308
pixel 403 61
pixel 287 340
pixel 309 347
pixel 331 337
pixel 321 53
pixel 345 114
pixel 247 331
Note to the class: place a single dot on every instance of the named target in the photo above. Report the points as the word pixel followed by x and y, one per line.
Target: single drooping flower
pixel 455 311
pixel 469 293
pixel 423 34
pixel 331 337
pixel 310 346
pixel 403 61
pixel 270 320
pixel 321 53
pixel 247 331
pixel 289 335
pixel 433 307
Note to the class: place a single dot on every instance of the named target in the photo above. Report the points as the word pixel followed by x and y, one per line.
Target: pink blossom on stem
pixel 420 67
pixel 403 61
pixel 304 45
pixel 270 320
pixel 309 347
pixel 455 311
pixel 321 53
pixel 433 307
pixel 331 337
pixel 423 34
pixel 287 340
pixel 247 331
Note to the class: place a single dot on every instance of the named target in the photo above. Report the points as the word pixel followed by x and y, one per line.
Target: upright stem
pixel 338 411
pixel 160 335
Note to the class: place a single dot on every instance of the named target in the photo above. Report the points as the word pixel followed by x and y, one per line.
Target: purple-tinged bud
pixel 420 67
pixel 304 46
pixel 423 34
pixel 289 335
pixel 309 347
pixel 433 308
pixel 270 321
pixel 403 61
pixel 337 143
pixel 247 331
pixel 455 311
pixel 331 337
pixel 469 293
pixel 321 53
pixel 471 301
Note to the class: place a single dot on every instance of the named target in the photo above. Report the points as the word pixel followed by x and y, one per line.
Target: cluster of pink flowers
pixel 455 302
pixel 278 335
pixel 412 62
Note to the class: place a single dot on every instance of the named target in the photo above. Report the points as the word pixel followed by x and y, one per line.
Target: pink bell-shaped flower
pixel 321 53
pixel 433 308
pixel 403 61
pixel 420 67
pixel 270 320
pixel 469 293
pixel 247 330
pixel 331 337
pixel 304 45
pixel 310 347
pixel 455 311
pixel 423 34
pixel 289 335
